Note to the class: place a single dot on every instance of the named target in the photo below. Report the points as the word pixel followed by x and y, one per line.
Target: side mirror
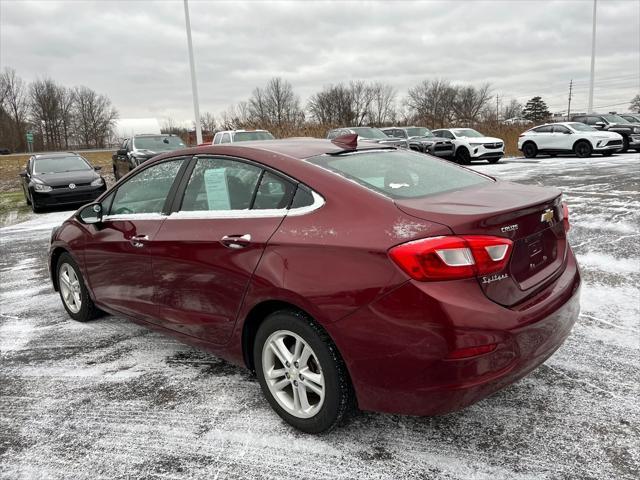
pixel 599 125
pixel 23 173
pixel 568 132
pixel 97 167
pixel 121 151
pixel 90 214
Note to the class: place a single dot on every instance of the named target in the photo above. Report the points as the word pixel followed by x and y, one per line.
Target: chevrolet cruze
pixel 346 276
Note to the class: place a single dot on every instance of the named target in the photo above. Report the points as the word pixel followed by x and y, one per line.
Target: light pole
pixel 593 58
pixel 194 83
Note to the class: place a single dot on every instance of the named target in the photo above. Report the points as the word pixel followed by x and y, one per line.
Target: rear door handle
pixel 138 240
pixel 236 241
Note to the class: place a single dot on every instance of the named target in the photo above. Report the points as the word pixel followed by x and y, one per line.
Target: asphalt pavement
pixel 110 399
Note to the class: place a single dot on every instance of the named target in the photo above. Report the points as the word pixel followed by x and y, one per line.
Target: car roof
pixel 38 156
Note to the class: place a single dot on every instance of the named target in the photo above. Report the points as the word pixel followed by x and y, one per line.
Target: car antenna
pixel 348 142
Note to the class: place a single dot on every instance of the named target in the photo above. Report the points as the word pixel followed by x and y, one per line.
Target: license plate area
pixel 537 256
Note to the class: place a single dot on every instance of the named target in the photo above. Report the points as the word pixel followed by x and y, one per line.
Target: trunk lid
pixel 530 216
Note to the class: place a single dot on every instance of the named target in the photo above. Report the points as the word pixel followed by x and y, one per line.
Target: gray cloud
pixel 135 51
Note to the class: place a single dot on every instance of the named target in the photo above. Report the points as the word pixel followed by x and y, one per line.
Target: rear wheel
pixel 583 149
pixel 463 157
pixel 529 150
pixel 301 372
pixel 73 292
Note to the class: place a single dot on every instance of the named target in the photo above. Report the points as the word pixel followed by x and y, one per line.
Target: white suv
pixel 233 136
pixel 568 137
pixel 472 145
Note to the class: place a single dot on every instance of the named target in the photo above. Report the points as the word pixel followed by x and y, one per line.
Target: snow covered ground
pixel 110 399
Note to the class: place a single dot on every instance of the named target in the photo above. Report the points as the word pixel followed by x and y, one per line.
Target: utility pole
pixel 497 107
pixel 569 107
pixel 593 58
pixel 194 84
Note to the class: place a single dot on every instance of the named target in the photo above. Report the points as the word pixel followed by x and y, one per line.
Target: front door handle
pixel 138 240
pixel 236 241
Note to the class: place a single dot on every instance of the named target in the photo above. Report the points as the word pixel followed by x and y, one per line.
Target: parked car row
pixel 460 144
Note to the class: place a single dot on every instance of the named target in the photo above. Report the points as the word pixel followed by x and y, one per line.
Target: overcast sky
pixel 136 51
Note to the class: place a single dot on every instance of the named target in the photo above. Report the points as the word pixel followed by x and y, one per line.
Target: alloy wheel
pixel 293 374
pixel 70 288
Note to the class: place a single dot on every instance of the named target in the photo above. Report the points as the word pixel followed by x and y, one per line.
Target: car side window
pixel 446 134
pixel 274 192
pixel 591 120
pixel 147 191
pixel 302 198
pixel 560 129
pixel 544 129
pixel 226 138
pixel 220 184
pixel 216 139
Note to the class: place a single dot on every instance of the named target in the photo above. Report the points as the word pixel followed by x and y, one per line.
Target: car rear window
pixel 400 173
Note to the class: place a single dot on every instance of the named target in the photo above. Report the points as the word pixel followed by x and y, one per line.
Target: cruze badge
pixel 510 228
pixel 547 216
pixel 72 186
pixel 494 278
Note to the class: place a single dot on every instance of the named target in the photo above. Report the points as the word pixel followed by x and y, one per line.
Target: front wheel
pixel 625 144
pixel 463 156
pixel 301 372
pixel 115 173
pixel 583 149
pixel 73 292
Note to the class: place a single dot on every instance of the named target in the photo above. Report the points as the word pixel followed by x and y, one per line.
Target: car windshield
pixel 400 173
pixel 368 132
pixel 582 127
pixel 419 132
pixel 614 119
pixel 249 136
pixel 73 163
pixel 632 118
pixel 466 132
pixel 160 143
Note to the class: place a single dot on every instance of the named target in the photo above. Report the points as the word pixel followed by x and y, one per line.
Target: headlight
pixel 636 129
pixel 475 144
pixel 41 187
pixel 97 182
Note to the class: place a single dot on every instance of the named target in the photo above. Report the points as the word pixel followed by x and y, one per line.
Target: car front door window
pixel 146 192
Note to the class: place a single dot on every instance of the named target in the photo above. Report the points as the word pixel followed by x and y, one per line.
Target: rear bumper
pixel 396 348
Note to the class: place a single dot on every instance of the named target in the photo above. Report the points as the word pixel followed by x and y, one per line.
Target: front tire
pixel 463 156
pixel 583 149
pixel 301 372
pixel 529 150
pixel 73 291
pixel 625 144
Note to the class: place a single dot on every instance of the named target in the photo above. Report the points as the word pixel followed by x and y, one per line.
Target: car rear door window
pixel 147 191
pixel 544 129
pixel 226 138
pixel 219 184
pixel 400 173
pixel 560 129
pixel 274 192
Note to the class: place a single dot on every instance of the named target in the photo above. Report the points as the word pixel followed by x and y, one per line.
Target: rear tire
pixel 73 291
pixel 583 149
pixel 463 157
pixel 529 150
pixel 317 357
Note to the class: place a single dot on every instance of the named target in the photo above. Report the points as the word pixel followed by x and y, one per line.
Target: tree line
pixel 59 117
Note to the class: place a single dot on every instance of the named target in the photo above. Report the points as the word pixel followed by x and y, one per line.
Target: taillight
pixel 565 217
pixel 452 257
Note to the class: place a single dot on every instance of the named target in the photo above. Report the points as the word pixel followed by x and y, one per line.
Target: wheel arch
pixel 56 253
pixel 582 140
pixel 257 315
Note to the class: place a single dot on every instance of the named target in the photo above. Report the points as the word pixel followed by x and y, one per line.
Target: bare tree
pixel 431 102
pixel 236 116
pixel 382 104
pixel 13 109
pixel 208 122
pixel 512 109
pixel 332 106
pixel 275 105
pixel 95 117
pixel 469 102
pixel 361 99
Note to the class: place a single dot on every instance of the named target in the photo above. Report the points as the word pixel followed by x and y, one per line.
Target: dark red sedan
pixel 343 275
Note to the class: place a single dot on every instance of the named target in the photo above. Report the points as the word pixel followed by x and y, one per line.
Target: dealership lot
pixel 111 399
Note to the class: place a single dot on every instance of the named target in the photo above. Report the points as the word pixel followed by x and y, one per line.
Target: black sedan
pixel 57 179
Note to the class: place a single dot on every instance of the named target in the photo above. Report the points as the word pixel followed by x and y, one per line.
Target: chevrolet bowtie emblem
pixel 547 216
